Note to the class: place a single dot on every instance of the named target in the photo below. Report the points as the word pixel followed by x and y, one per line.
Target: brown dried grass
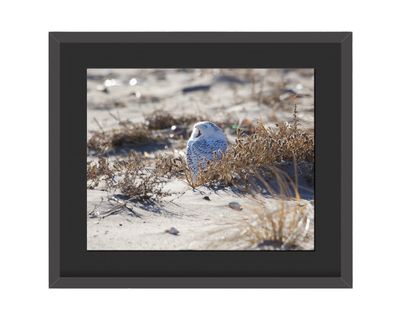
pixel 159 119
pixel 279 222
pixel 130 176
pixel 264 148
pixel 127 134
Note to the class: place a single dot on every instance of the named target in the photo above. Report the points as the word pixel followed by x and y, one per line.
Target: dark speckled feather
pixel 201 151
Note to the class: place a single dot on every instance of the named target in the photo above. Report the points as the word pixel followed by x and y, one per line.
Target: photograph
pixel 200 159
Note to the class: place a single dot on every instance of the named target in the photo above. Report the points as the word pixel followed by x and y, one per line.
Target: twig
pixel 116 209
pixel 117 118
pixel 99 125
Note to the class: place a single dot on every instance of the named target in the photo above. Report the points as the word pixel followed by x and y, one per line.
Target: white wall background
pixel 24 154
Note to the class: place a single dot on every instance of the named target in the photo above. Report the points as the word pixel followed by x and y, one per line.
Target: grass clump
pixel 131 177
pixel 264 148
pixel 160 120
pixel 283 222
pixel 127 134
pixel 163 120
pixel 170 165
pixel 257 148
pixel 97 171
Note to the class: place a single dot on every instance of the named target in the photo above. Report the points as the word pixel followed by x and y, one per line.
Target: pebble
pixel 235 206
pixel 102 88
pixel 173 231
pixel 207 198
pixel 189 89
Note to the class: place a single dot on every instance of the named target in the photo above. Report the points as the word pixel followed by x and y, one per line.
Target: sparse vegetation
pixel 264 148
pixel 141 166
pixel 136 135
pixel 256 150
pixel 128 176
pixel 169 165
pixel 96 171
pixel 281 223
pixel 162 120
pixel 127 134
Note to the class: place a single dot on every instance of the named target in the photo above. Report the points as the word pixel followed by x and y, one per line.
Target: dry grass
pixel 283 227
pixel 129 176
pixel 97 171
pixel 280 222
pixel 251 153
pixel 277 219
pixel 257 148
pixel 170 165
pixel 162 120
pixel 251 164
pixel 127 134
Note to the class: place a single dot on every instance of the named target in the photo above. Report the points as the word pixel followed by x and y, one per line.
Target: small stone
pixel 235 206
pixel 172 231
pixel 207 198
pixel 102 89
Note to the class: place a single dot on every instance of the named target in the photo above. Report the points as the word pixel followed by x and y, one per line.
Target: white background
pixel 24 158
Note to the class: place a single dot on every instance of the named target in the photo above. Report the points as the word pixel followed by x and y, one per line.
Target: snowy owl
pixel 206 142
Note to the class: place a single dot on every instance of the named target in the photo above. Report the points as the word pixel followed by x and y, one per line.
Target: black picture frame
pixel 72 266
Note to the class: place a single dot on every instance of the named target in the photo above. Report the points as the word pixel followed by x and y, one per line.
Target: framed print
pixel 200 160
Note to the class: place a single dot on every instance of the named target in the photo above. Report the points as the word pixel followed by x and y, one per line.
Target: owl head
pixel 207 129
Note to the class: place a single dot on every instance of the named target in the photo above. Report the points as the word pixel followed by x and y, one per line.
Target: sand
pixel 200 224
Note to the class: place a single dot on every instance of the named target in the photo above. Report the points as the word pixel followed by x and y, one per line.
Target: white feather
pixel 207 142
